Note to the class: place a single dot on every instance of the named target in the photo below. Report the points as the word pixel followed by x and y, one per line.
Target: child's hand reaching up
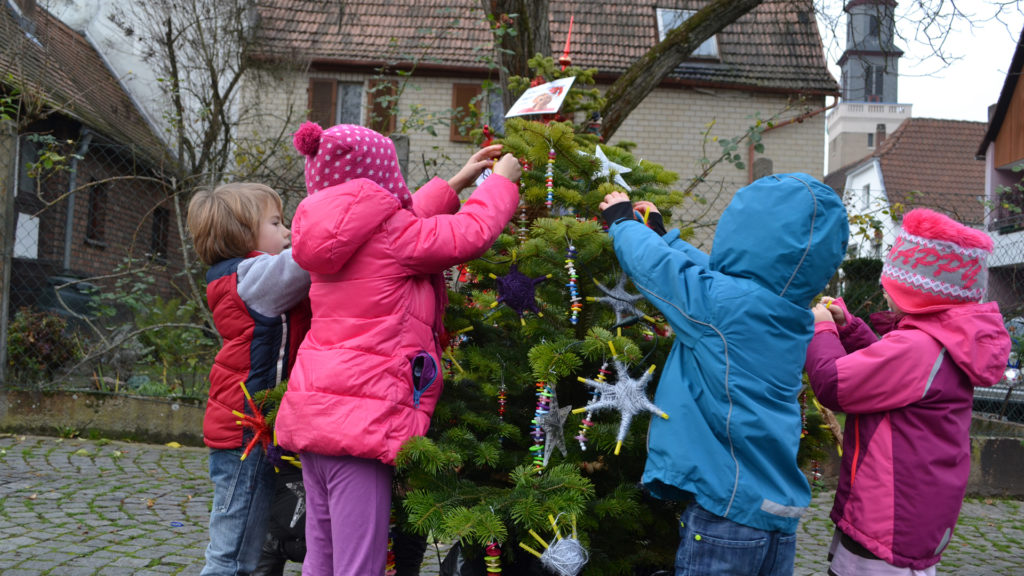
pixel 613 198
pixel 508 167
pixel 483 158
pixel 616 207
pixel 645 207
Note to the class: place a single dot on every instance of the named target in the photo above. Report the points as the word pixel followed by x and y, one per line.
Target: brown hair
pixel 224 222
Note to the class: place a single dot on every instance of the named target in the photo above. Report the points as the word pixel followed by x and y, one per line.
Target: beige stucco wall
pixel 667 127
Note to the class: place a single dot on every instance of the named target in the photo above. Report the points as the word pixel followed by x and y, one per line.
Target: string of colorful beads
pixel 389 566
pixel 502 400
pixel 549 178
pixel 492 558
pixel 543 404
pixel 575 302
pixel 586 423
pixel 803 414
pixel 524 225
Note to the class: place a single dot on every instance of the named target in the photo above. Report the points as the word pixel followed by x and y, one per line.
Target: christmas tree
pixel 513 447
pixel 541 432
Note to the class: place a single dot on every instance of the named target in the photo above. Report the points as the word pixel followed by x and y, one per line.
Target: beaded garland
pixel 586 423
pixel 389 566
pixel 524 225
pixel 492 558
pixel 549 178
pixel 502 401
pixel 803 414
pixel 575 302
pixel 536 430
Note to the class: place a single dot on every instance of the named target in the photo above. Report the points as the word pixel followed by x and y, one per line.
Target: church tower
pixel 869 107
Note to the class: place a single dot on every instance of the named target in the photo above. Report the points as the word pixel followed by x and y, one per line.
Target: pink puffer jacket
pixel 367 377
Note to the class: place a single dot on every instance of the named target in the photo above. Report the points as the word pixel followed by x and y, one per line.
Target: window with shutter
pixel 382 104
pixel 323 94
pixel 332 102
pixel 465 111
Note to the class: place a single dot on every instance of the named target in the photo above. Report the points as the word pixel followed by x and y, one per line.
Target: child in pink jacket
pixel 367 376
pixel 908 397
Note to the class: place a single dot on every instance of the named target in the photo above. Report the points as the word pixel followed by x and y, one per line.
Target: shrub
pixel 39 344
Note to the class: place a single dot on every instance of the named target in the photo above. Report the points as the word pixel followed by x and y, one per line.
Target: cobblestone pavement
pixel 96 507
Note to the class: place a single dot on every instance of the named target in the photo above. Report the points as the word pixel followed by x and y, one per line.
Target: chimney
pixel 879 134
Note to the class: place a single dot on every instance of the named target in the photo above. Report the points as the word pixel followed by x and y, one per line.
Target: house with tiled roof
pixel 924 163
pixel 768 63
pixel 99 207
pixel 1002 151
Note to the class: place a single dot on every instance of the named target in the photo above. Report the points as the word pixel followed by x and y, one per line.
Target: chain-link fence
pixel 96 296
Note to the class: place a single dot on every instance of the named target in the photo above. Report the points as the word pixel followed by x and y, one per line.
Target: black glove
pixel 656 223
pixel 617 212
pixel 624 211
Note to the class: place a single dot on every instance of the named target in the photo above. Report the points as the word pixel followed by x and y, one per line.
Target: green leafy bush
pixel 39 344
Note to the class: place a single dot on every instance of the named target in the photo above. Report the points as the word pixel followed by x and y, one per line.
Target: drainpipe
pixel 9 179
pixel 797 119
pixel 69 225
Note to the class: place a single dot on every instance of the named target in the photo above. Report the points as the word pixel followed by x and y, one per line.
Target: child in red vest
pixel 258 297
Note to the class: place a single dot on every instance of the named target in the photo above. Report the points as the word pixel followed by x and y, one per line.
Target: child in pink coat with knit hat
pixel 367 377
pixel 908 397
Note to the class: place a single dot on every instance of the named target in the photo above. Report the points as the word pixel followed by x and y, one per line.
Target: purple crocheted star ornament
pixel 518 291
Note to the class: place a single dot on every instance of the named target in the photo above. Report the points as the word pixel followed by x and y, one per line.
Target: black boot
pixel 272 558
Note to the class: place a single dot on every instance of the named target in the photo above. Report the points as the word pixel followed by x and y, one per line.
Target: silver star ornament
pixel 610 169
pixel 628 395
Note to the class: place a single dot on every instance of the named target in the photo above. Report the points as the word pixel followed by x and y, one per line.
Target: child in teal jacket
pixel 742 322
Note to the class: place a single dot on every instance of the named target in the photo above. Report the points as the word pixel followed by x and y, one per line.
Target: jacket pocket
pixel 424 373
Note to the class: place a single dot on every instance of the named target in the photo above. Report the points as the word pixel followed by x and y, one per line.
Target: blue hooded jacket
pixel 742 324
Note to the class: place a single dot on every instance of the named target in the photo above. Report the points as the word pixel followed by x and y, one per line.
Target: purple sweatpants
pixel 348 507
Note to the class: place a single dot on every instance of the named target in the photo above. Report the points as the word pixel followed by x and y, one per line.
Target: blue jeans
pixel 243 491
pixel 710 544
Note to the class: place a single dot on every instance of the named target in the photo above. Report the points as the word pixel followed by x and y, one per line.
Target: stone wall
pixel 997 448
pixel 95 414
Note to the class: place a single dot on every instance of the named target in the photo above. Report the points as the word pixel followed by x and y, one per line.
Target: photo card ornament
pixel 628 395
pixel 544 98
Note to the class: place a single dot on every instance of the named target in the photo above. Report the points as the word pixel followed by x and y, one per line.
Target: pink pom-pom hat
pixel 346 152
pixel 936 262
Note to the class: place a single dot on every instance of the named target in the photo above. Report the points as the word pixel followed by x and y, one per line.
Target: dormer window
pixel 669 20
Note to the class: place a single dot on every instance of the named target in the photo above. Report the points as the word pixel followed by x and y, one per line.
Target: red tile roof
pixel 930 163
pixel 58 65
pixel 774 47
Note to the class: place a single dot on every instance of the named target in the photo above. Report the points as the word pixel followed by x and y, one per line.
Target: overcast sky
pixel 981 56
